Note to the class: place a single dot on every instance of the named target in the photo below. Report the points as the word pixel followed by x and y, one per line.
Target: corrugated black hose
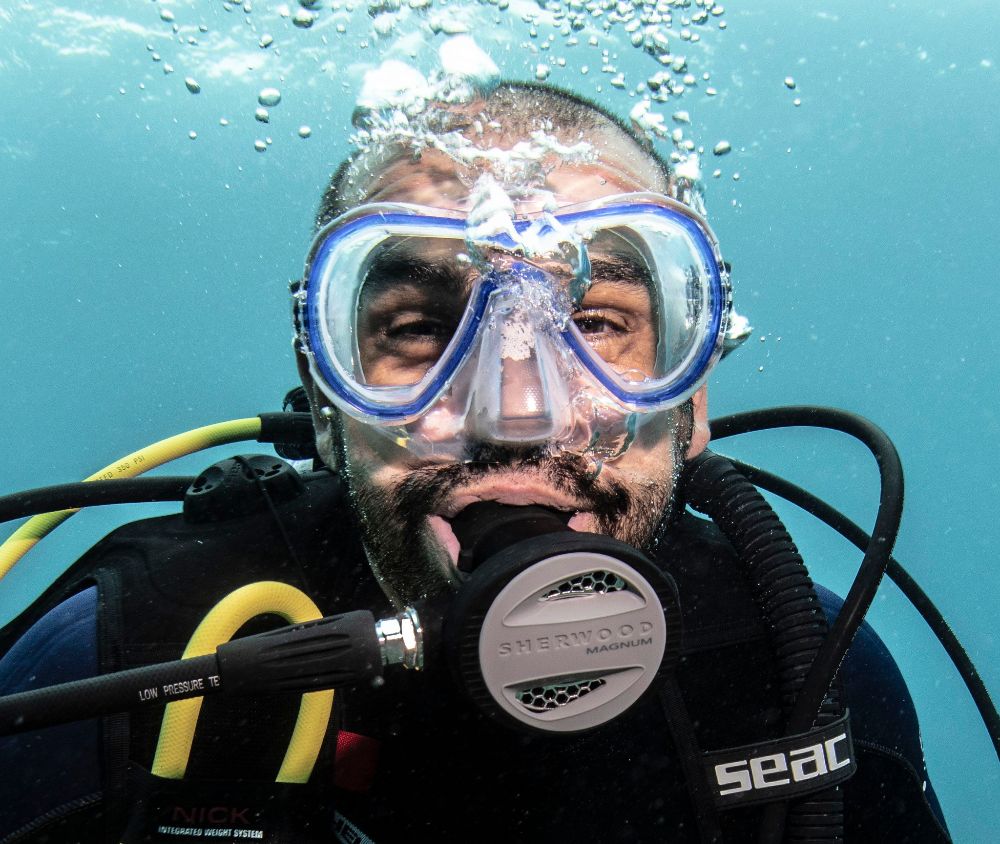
pixel 784 592
pixel 870 572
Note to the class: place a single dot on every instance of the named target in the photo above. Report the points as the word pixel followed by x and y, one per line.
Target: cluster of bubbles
pixel 664 30
pixel 598 32
pixel 268 97
pixel 571 42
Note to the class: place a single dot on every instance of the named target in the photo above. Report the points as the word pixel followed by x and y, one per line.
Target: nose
pixel 519 394
pixel 525 414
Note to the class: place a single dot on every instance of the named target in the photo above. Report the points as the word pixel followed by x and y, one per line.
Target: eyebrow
pixel 394 270
pixel 620 269
pixel 449 279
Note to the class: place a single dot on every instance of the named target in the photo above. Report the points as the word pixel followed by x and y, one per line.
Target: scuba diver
pixel 503 333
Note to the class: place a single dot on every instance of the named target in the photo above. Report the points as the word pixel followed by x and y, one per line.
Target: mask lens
pixel 617 315
pixel 647 313
pixel 413 297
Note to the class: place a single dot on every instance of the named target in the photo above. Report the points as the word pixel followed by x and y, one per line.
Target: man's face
pixel 405 502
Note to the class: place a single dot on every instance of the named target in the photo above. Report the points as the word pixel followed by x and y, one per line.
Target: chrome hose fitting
pixel 401 639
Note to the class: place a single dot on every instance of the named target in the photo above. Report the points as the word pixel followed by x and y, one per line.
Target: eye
pixel 418 327
pixel 596 322
pixel 615 318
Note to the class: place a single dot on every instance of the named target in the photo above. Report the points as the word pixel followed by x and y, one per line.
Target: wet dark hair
pixel 521 108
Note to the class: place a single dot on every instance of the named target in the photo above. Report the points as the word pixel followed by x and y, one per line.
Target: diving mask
pixel 560 329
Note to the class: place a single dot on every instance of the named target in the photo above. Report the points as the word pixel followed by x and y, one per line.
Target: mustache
pixel 426 489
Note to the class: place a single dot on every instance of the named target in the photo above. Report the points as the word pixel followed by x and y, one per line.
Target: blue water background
pixel 143 275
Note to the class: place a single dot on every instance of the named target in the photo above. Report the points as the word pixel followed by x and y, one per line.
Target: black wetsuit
pixel 413 757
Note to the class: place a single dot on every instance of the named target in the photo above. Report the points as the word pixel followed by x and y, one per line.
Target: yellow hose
pixel 36 528
pixel 181 717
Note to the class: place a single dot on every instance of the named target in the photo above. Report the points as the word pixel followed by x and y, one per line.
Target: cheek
pixel 650 457
pixel 371 459
pixel 657 432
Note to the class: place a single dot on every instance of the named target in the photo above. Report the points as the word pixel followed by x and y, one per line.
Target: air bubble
pixel 722 148
pixel 166 15
pixel 192 134
pixel 192 85
pixel 384 24
pixel 790 83
pixel 542 72
pixel 305 131
pixel 265 41
pixel 303 18
pixel 269 97
pixel 261 115
pixel 260 146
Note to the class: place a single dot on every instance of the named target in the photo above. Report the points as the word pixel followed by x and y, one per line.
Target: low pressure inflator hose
pixel 316 655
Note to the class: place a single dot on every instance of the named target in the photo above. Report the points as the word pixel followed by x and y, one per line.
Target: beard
pixel 410 564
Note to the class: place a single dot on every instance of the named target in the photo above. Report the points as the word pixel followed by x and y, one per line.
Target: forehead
pixel 436 180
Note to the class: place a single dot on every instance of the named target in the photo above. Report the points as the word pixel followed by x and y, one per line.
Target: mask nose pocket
pixel 520 395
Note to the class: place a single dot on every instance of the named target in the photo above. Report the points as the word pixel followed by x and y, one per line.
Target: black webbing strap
pixel 782 768
pixel 700 787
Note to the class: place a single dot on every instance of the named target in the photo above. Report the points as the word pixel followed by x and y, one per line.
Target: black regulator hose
pixel 784 592
pixel 876 558
pixel 898 575
pixel 73 496
pixel 808 822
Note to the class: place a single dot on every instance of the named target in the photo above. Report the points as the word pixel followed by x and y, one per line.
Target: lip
pixel 518 492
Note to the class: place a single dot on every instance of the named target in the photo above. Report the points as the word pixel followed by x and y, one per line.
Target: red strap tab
pixel 356 761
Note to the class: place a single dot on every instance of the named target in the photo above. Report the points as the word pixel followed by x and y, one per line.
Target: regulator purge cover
pixel 565 637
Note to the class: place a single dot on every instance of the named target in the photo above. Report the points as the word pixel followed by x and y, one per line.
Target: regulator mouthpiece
pixel 556 630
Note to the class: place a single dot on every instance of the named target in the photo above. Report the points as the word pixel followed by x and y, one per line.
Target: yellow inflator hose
pixel 36 528
pixel 181 717
pixel 220 625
